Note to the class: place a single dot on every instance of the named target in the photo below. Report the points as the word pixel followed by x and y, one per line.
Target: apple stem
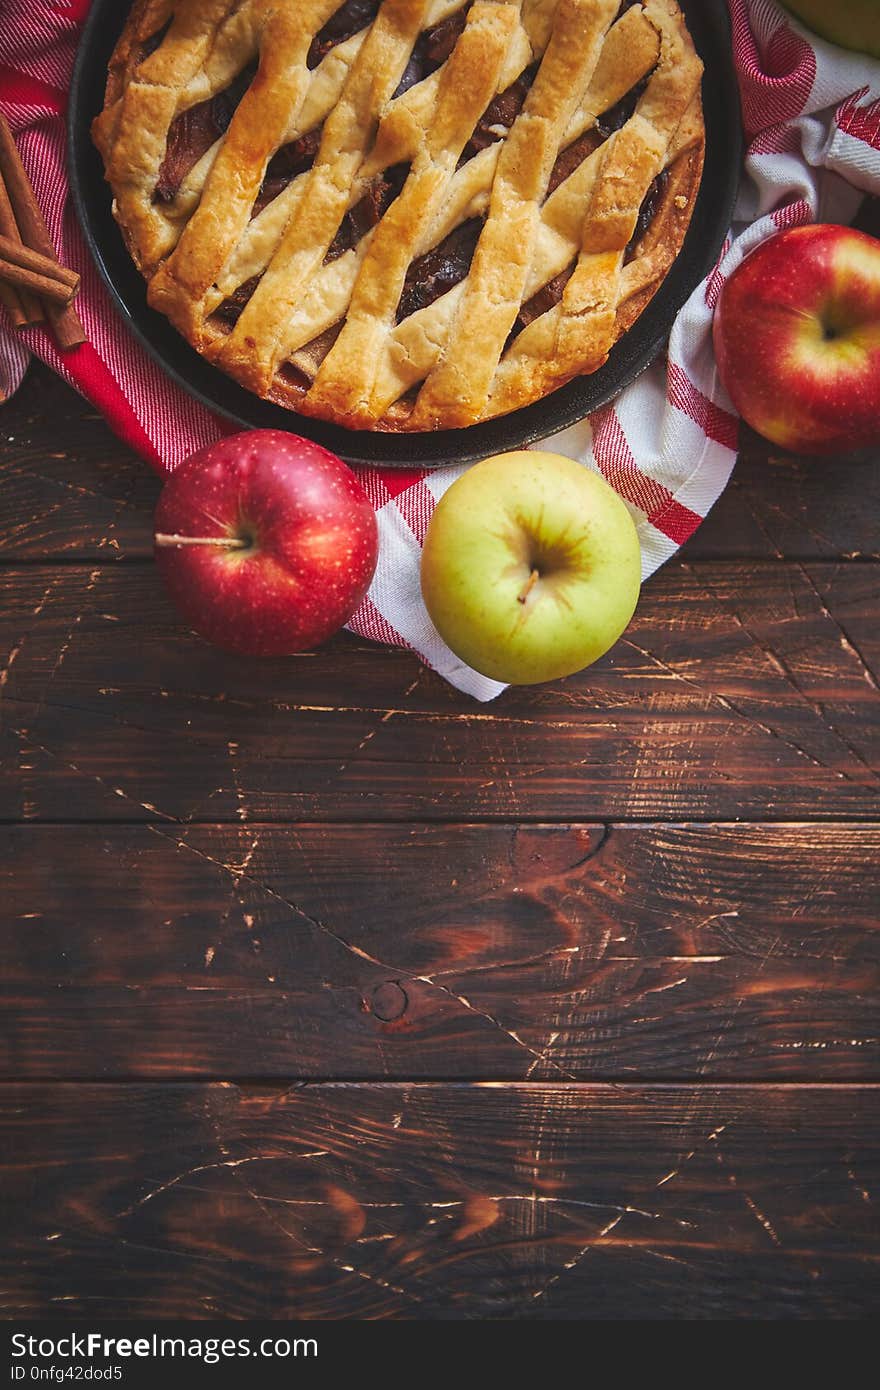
pixel 227 542
pixel 530 584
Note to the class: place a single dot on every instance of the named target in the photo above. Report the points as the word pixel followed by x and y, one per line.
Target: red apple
pixel 797 339
pixel 267 542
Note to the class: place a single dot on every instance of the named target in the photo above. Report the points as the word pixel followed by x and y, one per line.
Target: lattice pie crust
pixel 406 214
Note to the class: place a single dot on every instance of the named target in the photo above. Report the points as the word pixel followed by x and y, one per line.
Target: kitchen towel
pixel 667 444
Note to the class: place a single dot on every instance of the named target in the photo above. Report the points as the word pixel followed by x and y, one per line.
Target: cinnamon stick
pixel 65 321
pixel 24 309
pixel 43 285
pixel 11 302
pixel 17 254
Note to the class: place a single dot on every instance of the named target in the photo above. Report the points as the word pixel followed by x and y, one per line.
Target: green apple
pixel 531 567
pixel 851 23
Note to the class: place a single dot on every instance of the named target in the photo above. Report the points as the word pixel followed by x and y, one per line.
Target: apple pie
pixel 403 214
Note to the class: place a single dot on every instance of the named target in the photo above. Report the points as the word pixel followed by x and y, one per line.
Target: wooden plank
pixel 421 1201
pixel 73 491
pixel 726 951
pixel 779 505
pixel 744 691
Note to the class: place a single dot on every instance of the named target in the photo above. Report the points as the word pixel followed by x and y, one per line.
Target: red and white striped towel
pixel 667 444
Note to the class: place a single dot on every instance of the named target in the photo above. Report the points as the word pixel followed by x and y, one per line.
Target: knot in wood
pixel 389 1001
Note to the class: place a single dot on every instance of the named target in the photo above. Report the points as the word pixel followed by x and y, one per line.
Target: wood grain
pixel 409 1201
pixel 474 951
pixel 70 489
pixel 74 492
pixel 660 875
pixel 781 506
pixel 746 691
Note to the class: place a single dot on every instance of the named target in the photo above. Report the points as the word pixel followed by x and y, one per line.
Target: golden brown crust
pixel 319 333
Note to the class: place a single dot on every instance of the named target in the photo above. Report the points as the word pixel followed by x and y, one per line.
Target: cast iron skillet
pixel 709 24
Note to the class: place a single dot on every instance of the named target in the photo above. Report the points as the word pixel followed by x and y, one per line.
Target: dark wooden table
pixel 329 992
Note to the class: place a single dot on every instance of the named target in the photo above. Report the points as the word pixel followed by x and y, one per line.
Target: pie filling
pixel 343 24
pixel 152 43
pixel 439 270
pixel 193 132
pixel 432 48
